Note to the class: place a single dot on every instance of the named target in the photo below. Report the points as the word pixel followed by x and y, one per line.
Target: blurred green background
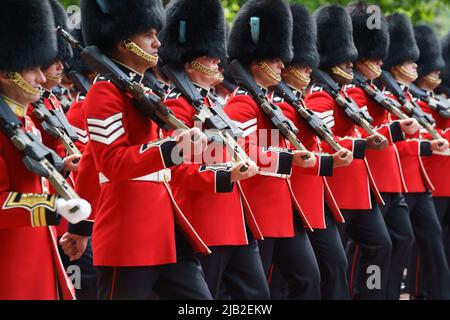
pixel 435 12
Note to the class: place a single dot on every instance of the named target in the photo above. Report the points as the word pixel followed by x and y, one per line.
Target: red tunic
pixel 30 266
pixel 437 165
pixel 384 164
pixel 352 185
pixel 270 196
pixel 136 215
pixel 410 151
pixel 216 207
pixel 309 185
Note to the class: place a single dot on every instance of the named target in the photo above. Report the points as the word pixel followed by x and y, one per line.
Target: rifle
pixel 150 105
pixel 213 117
pixel 436 103
pixel 154 84
pixel 55 123
pixel 80 81
pixel 411 108
pixel 313 121
pixel 386 102
pixel 37 158
pixel 359 116
pixel 272 111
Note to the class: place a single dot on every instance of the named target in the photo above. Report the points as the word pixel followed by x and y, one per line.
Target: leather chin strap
pixel 23 84
pixel 341 73
pixel 269 71
pixel 299 75
pixel 372 67
pixel 134 48
pixel 204 69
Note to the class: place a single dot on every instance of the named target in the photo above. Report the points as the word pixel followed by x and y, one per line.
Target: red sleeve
pixel 324 106
pixel 391 130
pixel 115 155
pixel 244 112
pixel 77 119
pixel 24 209
pixel 202 177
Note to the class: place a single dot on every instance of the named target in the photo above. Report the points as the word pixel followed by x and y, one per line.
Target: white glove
pixel 65 208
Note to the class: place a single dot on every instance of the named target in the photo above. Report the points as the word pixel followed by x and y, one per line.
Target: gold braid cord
pixel 297 74
pixel 375 69
pixel 433 80
pixel 412 76
pixel 269 71
pixel 133 47
pixel 203 69
pixel 52 78
pixel 23 84
pixel 338 71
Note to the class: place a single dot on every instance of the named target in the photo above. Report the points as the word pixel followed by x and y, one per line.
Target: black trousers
pixel 87 289
pixel 396 216
pixel 295 259
pixel 330 255
pixel 183 280
pixel 331 258
pixel 442 205
pixel 370 247
pixel 429 254
pixel 235 272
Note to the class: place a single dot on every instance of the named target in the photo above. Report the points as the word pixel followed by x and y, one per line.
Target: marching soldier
pixel 429 66
pixel 210 193
pixel 28 214
pixel 400 62
pixel 372 46
pixel 358 199
pixel 140 236
pixel 261 40
pixel 309 185
pixel 444 87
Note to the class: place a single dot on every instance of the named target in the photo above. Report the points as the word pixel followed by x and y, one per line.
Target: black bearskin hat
pixel 262 30
pixel 76 63
pixel 445 75
pixel 105 23
pixel 335 36
pixel 27 35
pixel 403 46
pixel 60 15
pixel 194 28
pixel 304 38
pixel 430 58
pixel 372 44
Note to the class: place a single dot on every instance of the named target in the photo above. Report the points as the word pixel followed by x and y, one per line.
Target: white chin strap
pixel 134 48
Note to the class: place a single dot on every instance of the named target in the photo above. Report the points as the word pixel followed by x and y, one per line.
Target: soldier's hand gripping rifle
pixel 150 105
pixel 37 158
pixel 272 111
pixel 359 116
pixel 410 107
pixel 313 121
pixel 439 104
pixel 55 123
pixel 213 117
